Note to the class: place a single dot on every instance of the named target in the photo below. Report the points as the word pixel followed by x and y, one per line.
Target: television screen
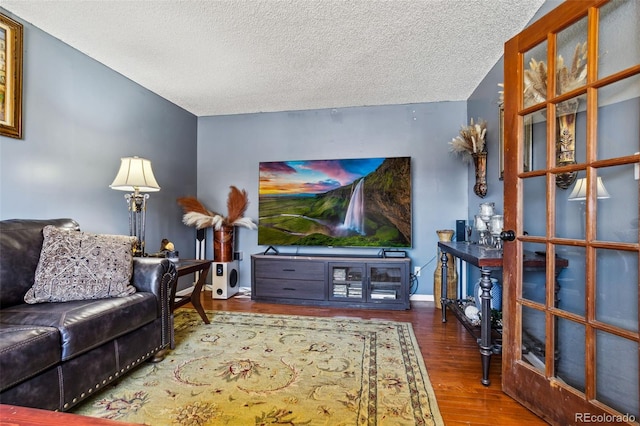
pixel 362 202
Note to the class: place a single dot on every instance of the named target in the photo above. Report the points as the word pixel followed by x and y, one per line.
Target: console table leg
pixel 443 286
pixel 485 324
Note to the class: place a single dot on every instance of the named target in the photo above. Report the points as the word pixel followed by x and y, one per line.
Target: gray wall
pixel 80 117
pixel 230 148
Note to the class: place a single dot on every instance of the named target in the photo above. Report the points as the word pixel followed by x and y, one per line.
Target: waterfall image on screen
pixel 354 219
pixel 363 202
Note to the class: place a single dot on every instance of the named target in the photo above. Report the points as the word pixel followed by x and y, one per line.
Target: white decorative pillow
pixel 78 266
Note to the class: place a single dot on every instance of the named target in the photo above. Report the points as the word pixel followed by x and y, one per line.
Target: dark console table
pixel 487 259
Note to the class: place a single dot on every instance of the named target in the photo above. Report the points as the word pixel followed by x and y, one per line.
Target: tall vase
pixel 223 244
pixel 452 274
pixel 480 164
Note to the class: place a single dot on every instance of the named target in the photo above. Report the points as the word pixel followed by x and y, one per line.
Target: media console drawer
pixel 290 289
pixel 289 269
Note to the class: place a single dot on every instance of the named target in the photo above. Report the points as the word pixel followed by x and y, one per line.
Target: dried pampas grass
pixel 535 78
pixel 471 140
pixel 201 221
pixel 197 215
pixel 568 80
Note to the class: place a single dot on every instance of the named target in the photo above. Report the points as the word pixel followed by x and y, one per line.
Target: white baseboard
pixel 422 297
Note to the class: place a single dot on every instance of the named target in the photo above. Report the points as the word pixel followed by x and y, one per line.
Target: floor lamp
pixel 135 175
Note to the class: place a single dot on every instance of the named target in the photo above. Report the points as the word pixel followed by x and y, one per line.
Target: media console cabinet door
pixel 347 282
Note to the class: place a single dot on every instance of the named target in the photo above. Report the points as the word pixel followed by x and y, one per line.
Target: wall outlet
pixel 237 255
pixel 416 271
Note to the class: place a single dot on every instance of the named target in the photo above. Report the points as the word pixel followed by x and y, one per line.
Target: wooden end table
pixel 190 266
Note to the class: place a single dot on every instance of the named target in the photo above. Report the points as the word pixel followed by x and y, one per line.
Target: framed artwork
pixel 10 77
pixel 528 144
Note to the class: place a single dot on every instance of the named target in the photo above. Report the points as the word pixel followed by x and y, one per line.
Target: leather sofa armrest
pixel 157 276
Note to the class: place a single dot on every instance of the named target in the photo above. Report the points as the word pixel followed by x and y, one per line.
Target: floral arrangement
pixel 535 78
pixel 196 214
pixel 471 140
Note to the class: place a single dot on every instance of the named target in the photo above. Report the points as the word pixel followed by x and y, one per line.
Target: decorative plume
pixel 192 204
pixel 237 204
pixel 196 214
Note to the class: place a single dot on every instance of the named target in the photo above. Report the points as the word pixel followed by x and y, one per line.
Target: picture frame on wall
pixel 11 36
pixel 528 148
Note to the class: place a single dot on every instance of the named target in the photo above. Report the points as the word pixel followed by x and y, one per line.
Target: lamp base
pixel 137 216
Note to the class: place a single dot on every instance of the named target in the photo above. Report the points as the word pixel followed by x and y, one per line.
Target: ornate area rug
pixel 256 369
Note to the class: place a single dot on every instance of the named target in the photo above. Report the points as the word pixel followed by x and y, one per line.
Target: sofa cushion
pixel 20 246
pixel 25 351
pixel 86 324
pixel 81 265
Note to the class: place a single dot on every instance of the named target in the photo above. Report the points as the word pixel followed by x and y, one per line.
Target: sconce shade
pixel 579 192
pixel 135 174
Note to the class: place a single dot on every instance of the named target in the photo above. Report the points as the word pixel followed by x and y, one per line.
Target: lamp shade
pixel 579 192
pixel 135 174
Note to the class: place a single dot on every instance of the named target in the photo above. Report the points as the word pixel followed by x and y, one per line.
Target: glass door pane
pixel 535 75
pixel 618 21
pixel 346 281
pixel 571 353
pixel 617 373
pixel 571 281
pixel 617 194
pixel 385 283
pixel 534 205
pixel 571 62
pixel 618 124
pixel 617 288
pixel 533 347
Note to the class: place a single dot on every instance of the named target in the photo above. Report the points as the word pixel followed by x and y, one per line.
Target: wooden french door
pixel 572 136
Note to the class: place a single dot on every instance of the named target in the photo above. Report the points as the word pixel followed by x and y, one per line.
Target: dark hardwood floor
pixel 449 351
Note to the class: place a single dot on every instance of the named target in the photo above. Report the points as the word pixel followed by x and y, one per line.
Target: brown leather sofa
pixel 54 355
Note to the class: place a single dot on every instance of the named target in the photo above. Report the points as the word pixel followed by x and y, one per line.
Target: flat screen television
pixel 362 202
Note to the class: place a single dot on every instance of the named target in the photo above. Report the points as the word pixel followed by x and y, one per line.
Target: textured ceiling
pixel 244 56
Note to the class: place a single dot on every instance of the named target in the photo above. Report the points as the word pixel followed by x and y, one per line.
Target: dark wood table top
pixel 187 266
pixel 491 258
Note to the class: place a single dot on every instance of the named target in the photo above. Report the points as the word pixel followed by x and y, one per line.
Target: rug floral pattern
pixel 258 369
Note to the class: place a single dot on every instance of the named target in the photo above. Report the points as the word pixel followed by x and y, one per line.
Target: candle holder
pixel 495 225
pixel 482 228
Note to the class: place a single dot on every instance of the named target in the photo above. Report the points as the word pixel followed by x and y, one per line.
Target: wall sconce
pixel 135 175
